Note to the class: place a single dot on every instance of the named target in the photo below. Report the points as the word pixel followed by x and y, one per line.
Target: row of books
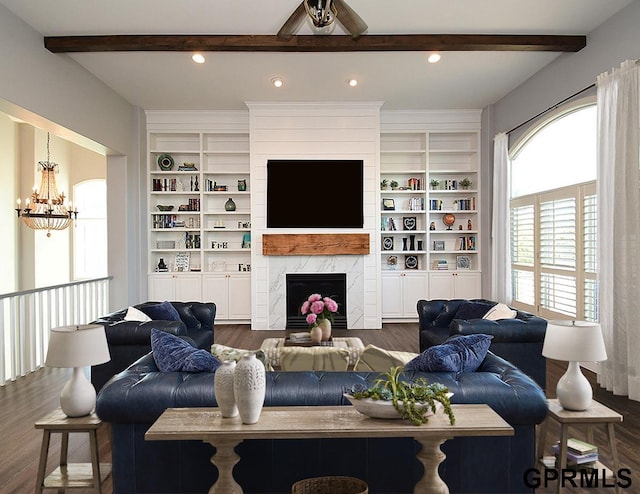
pixel 467 243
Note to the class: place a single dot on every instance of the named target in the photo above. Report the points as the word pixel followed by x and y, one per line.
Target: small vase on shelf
pixel 230 205
pixel 325 327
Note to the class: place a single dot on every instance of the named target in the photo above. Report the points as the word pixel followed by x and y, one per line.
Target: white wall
pixel 616 40
pixel 314 131
pixel 53 92
pixel 8 172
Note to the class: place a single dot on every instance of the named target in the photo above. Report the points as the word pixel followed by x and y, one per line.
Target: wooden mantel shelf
pixel 315 244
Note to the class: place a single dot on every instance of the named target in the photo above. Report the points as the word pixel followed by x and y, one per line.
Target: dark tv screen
pixel 315 194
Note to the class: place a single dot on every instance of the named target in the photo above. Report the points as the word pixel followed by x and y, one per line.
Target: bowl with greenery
pixel 392 398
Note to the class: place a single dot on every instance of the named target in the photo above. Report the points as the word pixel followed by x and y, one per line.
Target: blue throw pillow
pixel 163 311
pixel 173 354
pixel 473 310
pixel 457 354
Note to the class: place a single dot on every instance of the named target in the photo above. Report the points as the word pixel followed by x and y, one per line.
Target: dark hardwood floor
pixel 29 398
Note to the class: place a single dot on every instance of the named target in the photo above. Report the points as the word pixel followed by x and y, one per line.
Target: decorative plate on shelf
pixel 387 243
pixel 410 262
pixel 165 162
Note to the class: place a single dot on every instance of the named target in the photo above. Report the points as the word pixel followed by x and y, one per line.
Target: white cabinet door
pixel 401 291
pixel 468 285
pixel 391 298
pixel 188 288
pixel 454 285
pixel 231 292
pixel 239 293
pixel 175 287
pixel 214 289
pixel 414 288
pixel 161 287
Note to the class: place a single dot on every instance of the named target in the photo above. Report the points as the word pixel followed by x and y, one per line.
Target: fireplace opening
pixel 300 286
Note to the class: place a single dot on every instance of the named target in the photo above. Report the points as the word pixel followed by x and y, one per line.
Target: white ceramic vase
pixel 249 383
pixel 223 387
pixel 316 334
pixel 325 326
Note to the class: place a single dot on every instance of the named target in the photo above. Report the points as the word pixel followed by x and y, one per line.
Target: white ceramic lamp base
pixel 574 390
pixel 78 396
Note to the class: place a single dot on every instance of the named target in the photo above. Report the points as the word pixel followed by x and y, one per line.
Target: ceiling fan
pixel 323 13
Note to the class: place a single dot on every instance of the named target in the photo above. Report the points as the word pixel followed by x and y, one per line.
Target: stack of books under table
pixel 580 454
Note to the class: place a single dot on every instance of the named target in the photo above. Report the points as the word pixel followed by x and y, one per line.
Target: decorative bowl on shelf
pixel 164 208
pixel 381 409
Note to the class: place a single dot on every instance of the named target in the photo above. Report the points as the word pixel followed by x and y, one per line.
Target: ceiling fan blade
pixel 291 26
pixel 351 21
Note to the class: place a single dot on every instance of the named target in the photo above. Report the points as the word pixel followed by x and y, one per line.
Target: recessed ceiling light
pixel 353 82
pixel 277 82
pixel 197 58
pixel 434 58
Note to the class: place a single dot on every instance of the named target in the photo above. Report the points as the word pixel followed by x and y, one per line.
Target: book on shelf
pixel 440 265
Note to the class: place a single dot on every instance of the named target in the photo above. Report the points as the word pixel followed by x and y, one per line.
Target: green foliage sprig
pixel 409 399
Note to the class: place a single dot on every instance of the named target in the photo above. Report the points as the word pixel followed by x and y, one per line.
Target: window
pixel 90 232
pixel 553 219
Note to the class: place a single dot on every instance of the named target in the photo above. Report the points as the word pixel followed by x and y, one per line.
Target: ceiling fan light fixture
pixel 434 57
pixel 198 58
pixel 277 82
pixel 321 12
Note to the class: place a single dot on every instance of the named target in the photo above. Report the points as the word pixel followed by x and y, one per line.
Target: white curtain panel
pixel 618 189
pixel 500 233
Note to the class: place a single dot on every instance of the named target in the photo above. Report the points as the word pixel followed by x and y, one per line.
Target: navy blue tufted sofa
pixel 130 340
pixel 132 400
pixel 517 340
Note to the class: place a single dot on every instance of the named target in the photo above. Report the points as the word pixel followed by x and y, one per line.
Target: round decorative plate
pixel 411 262
pixel 165 162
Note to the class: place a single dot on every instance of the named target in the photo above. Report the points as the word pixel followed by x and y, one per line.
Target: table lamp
pixel 77 347
pixel 574 342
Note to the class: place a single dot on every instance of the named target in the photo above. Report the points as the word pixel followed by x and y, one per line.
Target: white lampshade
pixel 77 347
pixel 575 342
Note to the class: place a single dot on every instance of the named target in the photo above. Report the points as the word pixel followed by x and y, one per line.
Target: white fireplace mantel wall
pixel 314 131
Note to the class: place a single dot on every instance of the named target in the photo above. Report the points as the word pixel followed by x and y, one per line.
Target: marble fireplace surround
pixel 280 266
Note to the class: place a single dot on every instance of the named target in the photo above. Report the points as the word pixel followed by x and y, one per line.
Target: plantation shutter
pixel 558 255
pixel 523 253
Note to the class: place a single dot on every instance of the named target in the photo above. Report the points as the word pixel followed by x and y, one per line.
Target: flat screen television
pixel 315 194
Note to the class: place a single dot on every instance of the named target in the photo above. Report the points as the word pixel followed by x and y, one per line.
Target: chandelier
pixel 46 209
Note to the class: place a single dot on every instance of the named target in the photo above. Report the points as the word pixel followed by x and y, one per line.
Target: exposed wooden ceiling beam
pixel 316 43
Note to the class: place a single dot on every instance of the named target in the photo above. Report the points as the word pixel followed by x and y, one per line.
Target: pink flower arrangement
pixel 318 307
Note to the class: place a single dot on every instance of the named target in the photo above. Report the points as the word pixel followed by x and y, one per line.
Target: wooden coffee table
pixel 224 434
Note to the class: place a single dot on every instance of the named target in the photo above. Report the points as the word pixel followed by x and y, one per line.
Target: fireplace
pixel 301 285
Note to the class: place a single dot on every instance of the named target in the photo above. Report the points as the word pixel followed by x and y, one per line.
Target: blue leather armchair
pixel 130 340
pixel 517 340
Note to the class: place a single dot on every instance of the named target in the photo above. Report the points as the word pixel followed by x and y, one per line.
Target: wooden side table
pixel 597 414
pixel 73 475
